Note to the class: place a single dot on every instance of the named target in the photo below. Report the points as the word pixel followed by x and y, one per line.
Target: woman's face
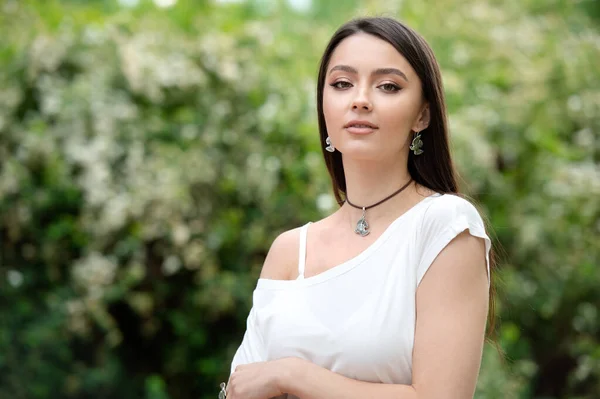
pixel 369 81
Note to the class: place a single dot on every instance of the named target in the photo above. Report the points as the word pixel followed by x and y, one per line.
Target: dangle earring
pixel 417 144
pixel 330 146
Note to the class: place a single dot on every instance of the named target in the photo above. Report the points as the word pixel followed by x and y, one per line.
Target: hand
pixel 257 380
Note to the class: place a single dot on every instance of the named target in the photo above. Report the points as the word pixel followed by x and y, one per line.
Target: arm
pixel 278 265
pixel 452 305
pixel 251 354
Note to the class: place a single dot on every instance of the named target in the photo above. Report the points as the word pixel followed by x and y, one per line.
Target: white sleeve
pixel 252 348
pixel 445 219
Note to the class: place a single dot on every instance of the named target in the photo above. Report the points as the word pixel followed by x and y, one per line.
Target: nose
pixel 361 102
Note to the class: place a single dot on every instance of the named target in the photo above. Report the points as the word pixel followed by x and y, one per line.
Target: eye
pixel 391 87
pixel 341 84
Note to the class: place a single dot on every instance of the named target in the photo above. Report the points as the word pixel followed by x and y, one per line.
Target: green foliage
pixel 148 157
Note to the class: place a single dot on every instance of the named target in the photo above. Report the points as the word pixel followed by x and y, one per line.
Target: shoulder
pixel 282 258
pixel 453 223
pixel 444 210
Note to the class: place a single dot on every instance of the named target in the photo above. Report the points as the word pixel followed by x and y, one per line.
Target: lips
pixel 360 127
pixel 360 124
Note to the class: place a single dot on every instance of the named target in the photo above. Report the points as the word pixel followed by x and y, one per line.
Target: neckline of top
pixel 271 284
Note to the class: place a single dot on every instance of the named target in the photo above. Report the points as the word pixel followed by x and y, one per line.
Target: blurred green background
pixel 150 151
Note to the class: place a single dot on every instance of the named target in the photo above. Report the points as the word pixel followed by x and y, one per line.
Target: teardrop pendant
pixel 362 227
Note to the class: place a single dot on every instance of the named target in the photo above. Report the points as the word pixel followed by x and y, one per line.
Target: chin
pixel 362 154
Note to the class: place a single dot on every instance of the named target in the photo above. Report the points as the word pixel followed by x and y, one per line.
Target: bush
pixel 149 157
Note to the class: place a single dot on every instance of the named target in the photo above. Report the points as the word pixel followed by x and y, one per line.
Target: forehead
pixel 366 52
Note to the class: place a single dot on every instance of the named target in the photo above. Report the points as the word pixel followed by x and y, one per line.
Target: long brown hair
pixel 434 168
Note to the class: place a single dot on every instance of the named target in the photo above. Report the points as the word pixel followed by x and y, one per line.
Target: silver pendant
pixel 362 227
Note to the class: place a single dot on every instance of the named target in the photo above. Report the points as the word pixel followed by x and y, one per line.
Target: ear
pixel 423 120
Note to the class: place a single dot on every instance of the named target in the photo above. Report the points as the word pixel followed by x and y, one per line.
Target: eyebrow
pixel 379 71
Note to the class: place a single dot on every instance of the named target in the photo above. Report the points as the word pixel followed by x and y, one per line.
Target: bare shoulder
pixel 282 259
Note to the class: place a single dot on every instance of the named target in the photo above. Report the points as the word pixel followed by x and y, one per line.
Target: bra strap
pixel 302 250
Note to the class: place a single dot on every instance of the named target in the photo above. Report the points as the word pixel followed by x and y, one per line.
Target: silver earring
pixel 417 144
pixel 330 146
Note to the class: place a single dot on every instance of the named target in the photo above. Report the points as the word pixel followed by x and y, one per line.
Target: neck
pixel 369 182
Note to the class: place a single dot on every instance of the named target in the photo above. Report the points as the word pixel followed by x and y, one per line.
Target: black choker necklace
pixel 362 227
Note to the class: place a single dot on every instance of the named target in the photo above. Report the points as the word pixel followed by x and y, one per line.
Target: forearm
pixel 309 381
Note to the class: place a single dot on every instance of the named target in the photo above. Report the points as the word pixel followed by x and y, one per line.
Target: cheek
pixel 331 108
pixel 399 114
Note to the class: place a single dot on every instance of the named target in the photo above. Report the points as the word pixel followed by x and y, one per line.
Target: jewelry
pixel 417 144
pixel 362 227
pixel 223 393
pixel 330 146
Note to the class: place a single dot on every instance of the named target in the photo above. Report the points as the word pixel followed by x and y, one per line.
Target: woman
pixel 388 296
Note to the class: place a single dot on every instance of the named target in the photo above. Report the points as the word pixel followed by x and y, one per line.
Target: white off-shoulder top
pixel 358 318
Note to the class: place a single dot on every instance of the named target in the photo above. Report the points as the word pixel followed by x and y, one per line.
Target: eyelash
pixel 394 89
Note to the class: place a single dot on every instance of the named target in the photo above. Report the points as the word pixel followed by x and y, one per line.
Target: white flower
pixel 94 272
pixel 325 203
pixel 14 277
